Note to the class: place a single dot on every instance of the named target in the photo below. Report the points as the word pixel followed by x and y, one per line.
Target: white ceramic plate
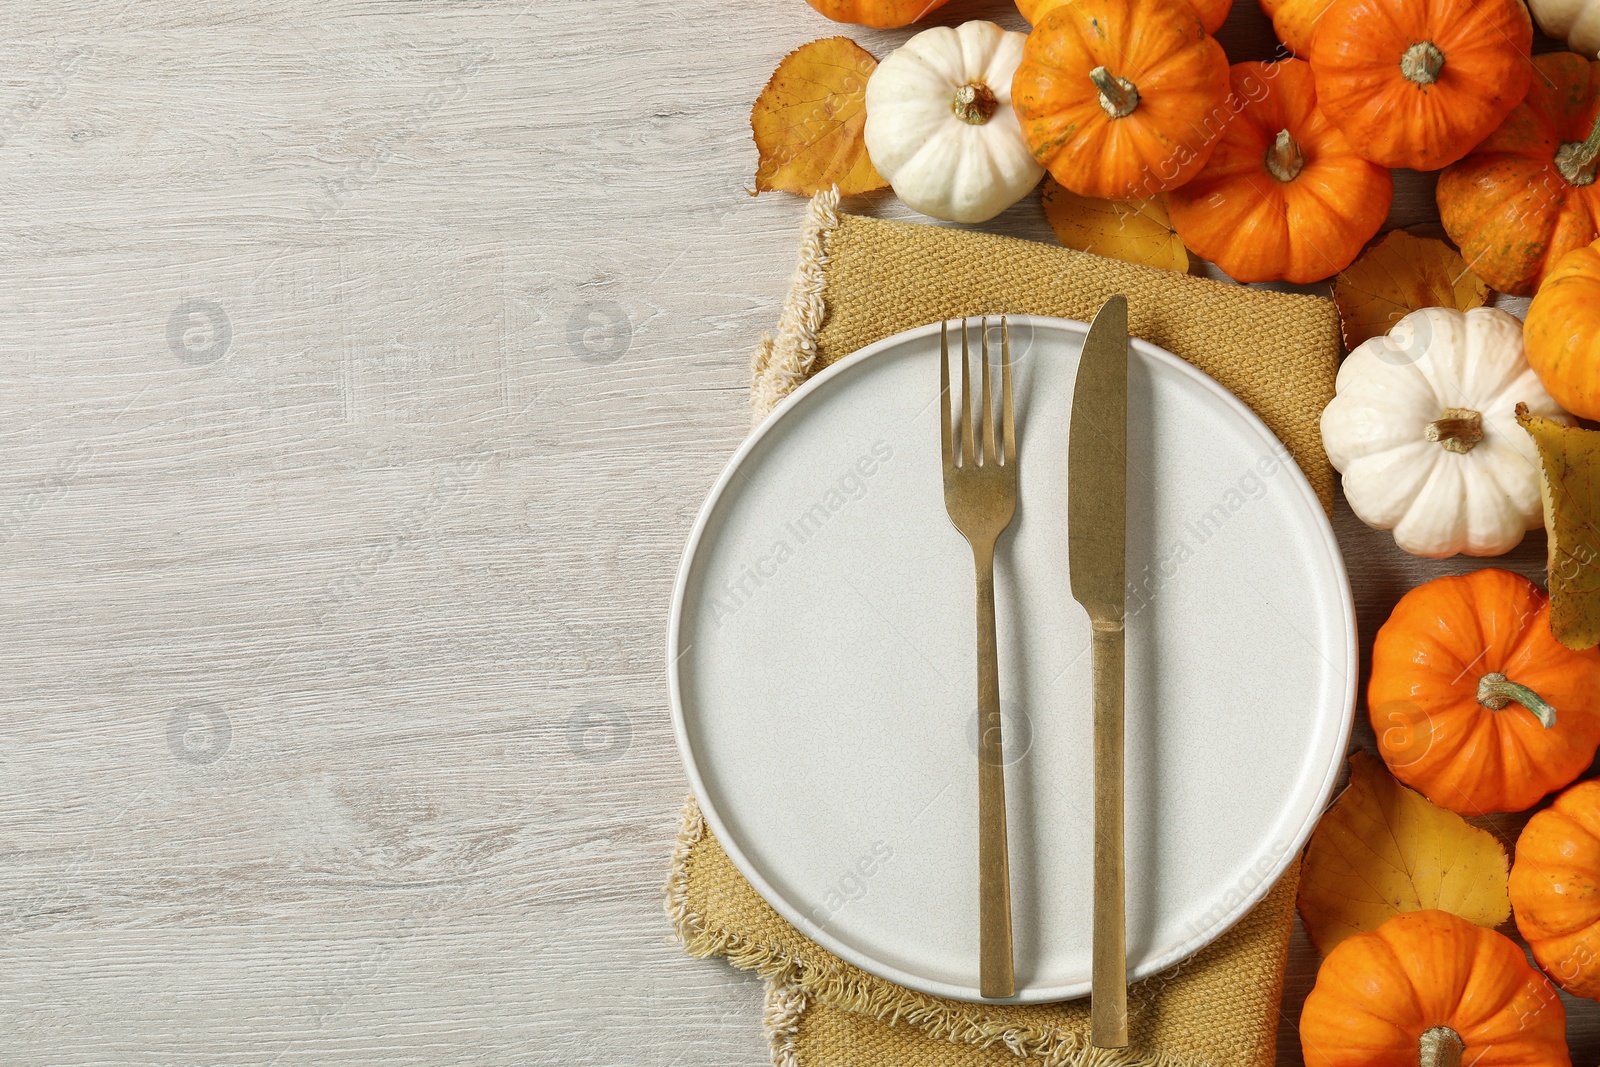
pixel 821 663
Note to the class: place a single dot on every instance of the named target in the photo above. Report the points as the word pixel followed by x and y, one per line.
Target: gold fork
pixel 980 493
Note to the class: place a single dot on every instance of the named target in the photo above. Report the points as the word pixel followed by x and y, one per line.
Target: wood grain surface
pixel 362 366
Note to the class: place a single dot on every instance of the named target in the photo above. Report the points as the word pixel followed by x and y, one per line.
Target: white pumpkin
pixel 1575 21
pixel 940 128
pixel 1424 430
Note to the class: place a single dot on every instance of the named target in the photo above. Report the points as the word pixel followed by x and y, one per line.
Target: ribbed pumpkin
pixel 1121 99
pixel 1563 331
pixel 1295 20
pixel 1428 988
pixel 1475 703
pixel 1284 195
pixel 1417 83
pixel 1526 196
pixel 884 14
pixel 1213 13
pixel 1555 889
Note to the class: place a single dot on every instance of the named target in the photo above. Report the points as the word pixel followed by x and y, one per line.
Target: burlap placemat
pixel 860 280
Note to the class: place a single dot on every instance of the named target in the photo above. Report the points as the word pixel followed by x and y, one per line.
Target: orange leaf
pixel 1382 849
pixel 1571 461
pixel 1398 275
pixel 1137 231
pixel 808 121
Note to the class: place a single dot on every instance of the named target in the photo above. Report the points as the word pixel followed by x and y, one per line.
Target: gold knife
pixel 1097 501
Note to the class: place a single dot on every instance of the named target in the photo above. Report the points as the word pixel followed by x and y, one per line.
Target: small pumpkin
pixel 883 14
pixel 1213 13
pixel 1563 331
pixel 940 128
pixel 1417 83
pixel 1432 989
pixel 1555 889
pixel 1423 427
pixel 1475 704
pixel 1575 21
pixel 1526 196
pixel 1294 21
pixel 1284 196
pixel 1121 99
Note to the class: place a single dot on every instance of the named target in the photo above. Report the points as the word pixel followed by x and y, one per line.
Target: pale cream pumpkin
pixel 1424 430
pixel 940 128
pixel 1575 21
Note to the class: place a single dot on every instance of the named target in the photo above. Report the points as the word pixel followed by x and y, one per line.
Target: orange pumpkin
pixel 884 14
pixel 1213 13
pixel 1417 83
pixel 1562 334
pixel 1475 703
pixel 1430 988
pixel 1121 99
pixel 1555 889
pixel 1284 195
pixel 1294 21
pixel 1526 196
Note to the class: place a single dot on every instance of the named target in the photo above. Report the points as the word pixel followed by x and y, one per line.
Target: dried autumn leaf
pixel 1571 489
pixel 1383 849
pixel 1400 274
pixel 1137 231
pixel 808 121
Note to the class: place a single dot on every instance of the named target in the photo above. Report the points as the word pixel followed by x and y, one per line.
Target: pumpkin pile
pixel 1128 100
pixel 1478 709
pixel 1274 171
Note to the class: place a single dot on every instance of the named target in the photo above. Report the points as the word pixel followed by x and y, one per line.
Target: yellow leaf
pixel 808 121
pixel 1383 849
pixel 1571 489
pixel 1398 275
pixel 1137 232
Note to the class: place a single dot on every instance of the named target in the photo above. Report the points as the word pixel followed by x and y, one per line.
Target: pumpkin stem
pixel 975 103
pixel 1575 160
pixel 1440 1046
pixel 1457 430
pixel 1284 158
pixel 1496 691
pixel 1118 96
pixel 1422 63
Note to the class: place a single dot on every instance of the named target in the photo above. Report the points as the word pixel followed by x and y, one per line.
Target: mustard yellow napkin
pixel 1219 1008
pixel 860 280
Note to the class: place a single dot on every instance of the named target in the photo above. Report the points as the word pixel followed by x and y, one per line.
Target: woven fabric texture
pixel 1219 1008
pixel 866 279
pixel 860 280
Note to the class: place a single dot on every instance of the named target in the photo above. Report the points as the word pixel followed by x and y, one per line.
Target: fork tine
pixel 986 426
pixel 968 454
pixel 1007 426
pixel 944 394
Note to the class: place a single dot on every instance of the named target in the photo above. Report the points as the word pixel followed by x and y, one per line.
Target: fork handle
pixel 996 977
pixel 1108 1011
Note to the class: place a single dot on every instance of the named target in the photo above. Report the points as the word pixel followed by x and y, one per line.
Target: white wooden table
pixel 362 364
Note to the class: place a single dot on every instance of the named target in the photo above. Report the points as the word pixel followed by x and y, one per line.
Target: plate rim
pixel 801 921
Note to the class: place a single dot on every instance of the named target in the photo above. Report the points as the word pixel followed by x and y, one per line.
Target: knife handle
pixel 1108 1010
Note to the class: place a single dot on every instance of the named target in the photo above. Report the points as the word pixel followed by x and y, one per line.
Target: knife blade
pixel 1097 502
pixel 1097 467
